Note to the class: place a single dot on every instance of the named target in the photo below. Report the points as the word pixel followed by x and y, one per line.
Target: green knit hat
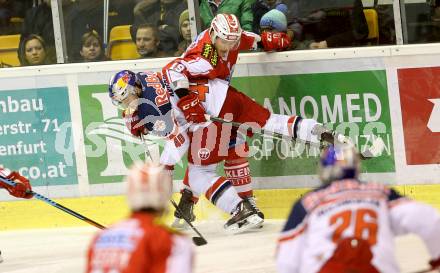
pixel 183 17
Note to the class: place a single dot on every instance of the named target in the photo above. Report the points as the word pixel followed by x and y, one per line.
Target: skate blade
pixel 180 224
pixel 252 222
pixel 260 226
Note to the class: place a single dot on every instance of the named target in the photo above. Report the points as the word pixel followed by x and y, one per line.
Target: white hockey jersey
pixel 350 208
pixel 212 94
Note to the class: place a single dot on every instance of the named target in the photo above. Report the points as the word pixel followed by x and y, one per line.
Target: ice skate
pixel 374 150
pixel 244 217
pixel 186 206
pixel 253 202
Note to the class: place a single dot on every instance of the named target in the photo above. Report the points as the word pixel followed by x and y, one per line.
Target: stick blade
pixel 199 241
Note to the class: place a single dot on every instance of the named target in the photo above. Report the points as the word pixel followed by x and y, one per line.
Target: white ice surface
pixel 63 250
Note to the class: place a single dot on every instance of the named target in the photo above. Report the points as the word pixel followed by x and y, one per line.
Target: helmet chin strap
pixel 225 58
pixel 212 35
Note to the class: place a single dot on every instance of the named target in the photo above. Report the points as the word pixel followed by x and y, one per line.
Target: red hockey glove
pixel 22 188
pixel 131 121
pixel 275 41
pixel 435 264
pixel 191 108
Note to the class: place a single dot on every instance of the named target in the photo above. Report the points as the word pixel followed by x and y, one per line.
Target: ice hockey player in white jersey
pixel 151 107
pixel 347 225
pixel 148 109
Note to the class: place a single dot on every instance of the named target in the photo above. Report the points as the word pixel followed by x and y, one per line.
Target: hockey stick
pixel 55 204
pixel 374 151
pixel 198 241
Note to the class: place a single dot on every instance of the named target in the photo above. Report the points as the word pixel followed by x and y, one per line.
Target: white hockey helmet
pixel 225 26
pixel 339 162
pixel 149 186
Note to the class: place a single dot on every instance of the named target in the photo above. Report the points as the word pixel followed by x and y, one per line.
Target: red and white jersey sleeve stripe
pixel 4 172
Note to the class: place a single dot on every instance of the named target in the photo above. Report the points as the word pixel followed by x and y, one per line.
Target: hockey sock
pixel 222 195
pixel 186 185
pixel 238 172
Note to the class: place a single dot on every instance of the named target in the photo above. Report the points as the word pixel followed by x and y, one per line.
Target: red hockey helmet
pixel 149 186
pixel 226 27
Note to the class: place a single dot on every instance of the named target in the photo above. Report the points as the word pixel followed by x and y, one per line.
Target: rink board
pixel 106 210
pixel 59 128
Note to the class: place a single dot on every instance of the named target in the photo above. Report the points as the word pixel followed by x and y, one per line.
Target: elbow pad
pixel 177 80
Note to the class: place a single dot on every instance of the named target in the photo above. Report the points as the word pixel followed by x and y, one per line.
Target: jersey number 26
pixel 364 222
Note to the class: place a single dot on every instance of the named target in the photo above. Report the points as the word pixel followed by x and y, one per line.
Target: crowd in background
pixel 161 28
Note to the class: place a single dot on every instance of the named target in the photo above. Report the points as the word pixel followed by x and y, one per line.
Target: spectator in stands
pixel 38 21
pixel 259 8
pixel 340 25
pixel 91 47
pixel 164 14
pixel 160 13
pixel 33 51
pixel 146 38
pixel 240 8
pixel 84 15
pixel 185 32
pixel 274 32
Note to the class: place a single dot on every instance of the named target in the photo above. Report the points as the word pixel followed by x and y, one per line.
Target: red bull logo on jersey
pixel 162 96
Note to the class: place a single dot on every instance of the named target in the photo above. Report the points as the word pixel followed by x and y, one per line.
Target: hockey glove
pixel 275 41
pixel 131 121
pixel 435 264
pixel 192 108
pixel 22 188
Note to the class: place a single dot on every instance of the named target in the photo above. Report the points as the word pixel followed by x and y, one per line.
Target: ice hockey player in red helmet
pixel 141 243
pixel 213 55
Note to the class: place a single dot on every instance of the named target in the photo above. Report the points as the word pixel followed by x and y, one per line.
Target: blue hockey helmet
pixel 339 162
pixel 121 85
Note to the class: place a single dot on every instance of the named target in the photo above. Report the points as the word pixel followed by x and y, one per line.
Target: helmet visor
pixel 129 101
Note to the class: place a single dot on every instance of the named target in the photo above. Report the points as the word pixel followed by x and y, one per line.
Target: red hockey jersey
pixel 201 60
pixel 140 245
